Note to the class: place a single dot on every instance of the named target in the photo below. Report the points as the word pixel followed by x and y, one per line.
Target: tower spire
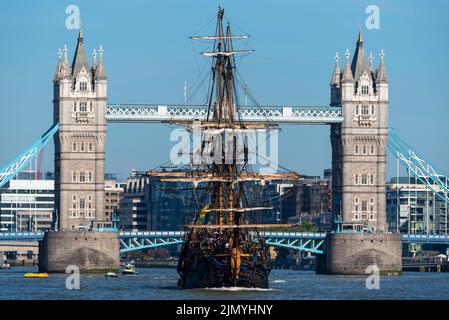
pixel 80 32
pixel 79 59
pixel 359 40
pixel 359 63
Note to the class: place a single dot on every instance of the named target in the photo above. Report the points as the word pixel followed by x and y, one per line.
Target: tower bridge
pixel 140 240
pixel 358 120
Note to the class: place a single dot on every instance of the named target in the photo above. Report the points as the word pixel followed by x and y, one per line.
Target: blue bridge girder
pixel 425 238
pixel 132 241
pixel 269 114
pixel 22 236
pixel 303 241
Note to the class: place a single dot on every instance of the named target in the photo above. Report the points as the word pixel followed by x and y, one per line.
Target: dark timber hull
pixel 210 273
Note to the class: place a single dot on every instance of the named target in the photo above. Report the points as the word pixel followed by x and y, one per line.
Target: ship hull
pixel 209 273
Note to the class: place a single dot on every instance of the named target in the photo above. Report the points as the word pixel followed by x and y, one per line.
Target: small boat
pixel 36 275
pixel 129 270
pixel 111 275
pixel 5 266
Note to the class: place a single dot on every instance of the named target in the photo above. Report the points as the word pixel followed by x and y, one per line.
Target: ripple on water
pixel 161 284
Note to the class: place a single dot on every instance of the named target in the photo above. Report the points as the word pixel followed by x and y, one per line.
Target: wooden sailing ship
pixel 222 246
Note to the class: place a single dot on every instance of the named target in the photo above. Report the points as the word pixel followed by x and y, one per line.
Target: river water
pixel 160 284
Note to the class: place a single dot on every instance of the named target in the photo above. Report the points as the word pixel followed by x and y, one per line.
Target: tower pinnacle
pixel 347 73
pixel 335 81
pixel 382 72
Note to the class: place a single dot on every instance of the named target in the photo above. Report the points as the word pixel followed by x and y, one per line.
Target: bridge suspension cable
pixel 16 165
pixel 432 177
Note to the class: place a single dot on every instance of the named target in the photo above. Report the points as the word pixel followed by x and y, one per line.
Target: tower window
pixel 83 106
pixel 371 179
pixel 82 147
pixel 356 181
pixel 365 89
pixel 372 110
pixel 364 179
pixel 90 147
pixel 364 206
pixel 365 110
pixel 364 149
pixel 356 149
pixel 82 177
pixel 82 203
pixel 372 149
pixel 83 86
pixel 356 110
pixel 74 146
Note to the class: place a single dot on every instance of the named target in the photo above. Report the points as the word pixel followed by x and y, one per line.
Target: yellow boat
pixel 36 275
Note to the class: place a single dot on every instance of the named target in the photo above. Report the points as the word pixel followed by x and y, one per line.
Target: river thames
pixel 161 284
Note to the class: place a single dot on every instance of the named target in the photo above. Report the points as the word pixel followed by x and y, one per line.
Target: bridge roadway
pixel 306 241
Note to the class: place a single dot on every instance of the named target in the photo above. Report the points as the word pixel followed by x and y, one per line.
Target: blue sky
pixel 148 55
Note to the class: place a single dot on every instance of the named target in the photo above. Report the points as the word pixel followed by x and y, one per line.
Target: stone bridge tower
pixel 360 237
pixel 359 143
pixel 79 105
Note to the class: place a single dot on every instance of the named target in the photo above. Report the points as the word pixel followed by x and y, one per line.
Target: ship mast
pixel 223 124
pixel 221 228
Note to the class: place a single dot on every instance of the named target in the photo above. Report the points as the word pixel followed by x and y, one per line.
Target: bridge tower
pixel 80 102
pixel 79 106
pixel 360 235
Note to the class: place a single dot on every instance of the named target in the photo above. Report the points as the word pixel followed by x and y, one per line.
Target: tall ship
pixel 222 246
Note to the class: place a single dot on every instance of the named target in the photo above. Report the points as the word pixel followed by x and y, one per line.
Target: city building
pixel 413 208
pixel 134 203
pixel 308 196
pixel 150 202
pixel 27 203
pixel 112 192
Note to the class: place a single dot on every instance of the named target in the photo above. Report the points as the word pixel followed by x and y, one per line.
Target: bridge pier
pixel 91 251
pixel 352 253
